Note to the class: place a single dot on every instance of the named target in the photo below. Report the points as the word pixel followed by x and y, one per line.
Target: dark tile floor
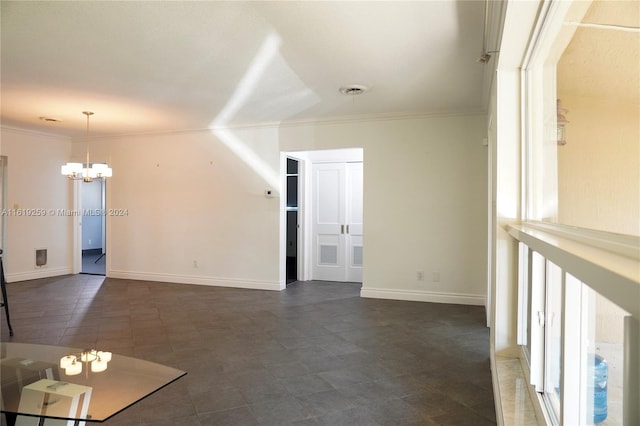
pixel 314 354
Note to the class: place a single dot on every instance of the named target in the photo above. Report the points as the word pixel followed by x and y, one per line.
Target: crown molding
pixel 383 117
pixel 22 131
pixel 365 118
pixel 298 123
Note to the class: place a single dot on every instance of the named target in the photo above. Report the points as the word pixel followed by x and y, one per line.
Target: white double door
pixel 337 221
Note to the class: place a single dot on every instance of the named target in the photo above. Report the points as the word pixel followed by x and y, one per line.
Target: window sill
pixel 513 389
pixel 609 272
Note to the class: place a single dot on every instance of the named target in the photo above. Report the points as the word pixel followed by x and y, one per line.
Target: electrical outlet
pixel 435 277
pixel 420 275
pixel 195 263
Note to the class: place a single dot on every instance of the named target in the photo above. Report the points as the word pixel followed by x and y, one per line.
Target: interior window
pixel 598 89
pixel 582 170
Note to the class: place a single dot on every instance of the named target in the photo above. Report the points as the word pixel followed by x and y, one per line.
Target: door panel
pixel 354 222
pixel 329 188
pixel 337 222
pixel 355 258
pixel 329 265
pixel 328 222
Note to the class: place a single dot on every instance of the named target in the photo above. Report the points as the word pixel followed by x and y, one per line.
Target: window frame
pixel 586 256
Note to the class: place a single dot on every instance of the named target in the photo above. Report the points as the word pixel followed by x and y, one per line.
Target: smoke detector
pixel 353 89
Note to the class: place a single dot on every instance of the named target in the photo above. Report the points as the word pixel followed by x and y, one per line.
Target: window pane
pixel 602 378
pixel 524 317
pixel 553 339
pixel 542 186
pixel 292 166
pixel 598 84
pixel 536 321
pixel 292 191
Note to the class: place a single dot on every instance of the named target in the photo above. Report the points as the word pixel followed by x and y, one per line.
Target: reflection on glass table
pixel 52 382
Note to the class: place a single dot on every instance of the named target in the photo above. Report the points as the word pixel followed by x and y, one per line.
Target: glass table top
pixel 92 386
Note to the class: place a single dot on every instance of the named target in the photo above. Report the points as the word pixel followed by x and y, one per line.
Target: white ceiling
pixel 172 66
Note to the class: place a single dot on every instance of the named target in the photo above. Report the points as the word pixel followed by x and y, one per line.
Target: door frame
pixel 4 163
pixel 305 163
pixel 302 250
pixel 77 227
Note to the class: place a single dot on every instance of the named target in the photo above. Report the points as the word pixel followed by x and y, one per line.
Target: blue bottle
pixel 600 378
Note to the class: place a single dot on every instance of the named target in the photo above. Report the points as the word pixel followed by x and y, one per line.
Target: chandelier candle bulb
pixel 98 365
pixel 73 369
pixel 66 361
pixel 70 169
pixel 104 356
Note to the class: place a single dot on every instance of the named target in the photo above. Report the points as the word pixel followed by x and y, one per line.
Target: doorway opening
pixel 292 220
pixel 93 228
pixel 304 241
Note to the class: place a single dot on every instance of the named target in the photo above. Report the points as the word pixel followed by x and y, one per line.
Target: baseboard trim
pixel 198 280
pixel 424 296
pixel 37 274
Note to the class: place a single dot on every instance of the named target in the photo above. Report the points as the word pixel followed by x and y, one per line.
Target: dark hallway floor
pixel 314 354
pixel 94 263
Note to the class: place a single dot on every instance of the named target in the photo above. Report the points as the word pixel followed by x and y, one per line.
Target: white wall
pixel 200 196
pixel 34 182
pixel 424 202
pixel 195 211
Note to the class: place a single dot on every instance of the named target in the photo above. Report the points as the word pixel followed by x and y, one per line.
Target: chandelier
pixel 98 360
pixel 87 172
